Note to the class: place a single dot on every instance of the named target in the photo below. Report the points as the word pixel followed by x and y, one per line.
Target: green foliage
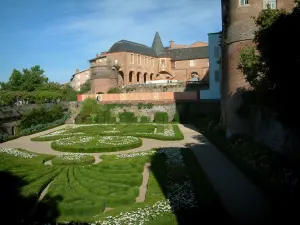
pixel 40 116
pixel 271 68
pixel 176 117
pixel 161 117
pixel 86 87
pixel 145 119
pixel 127 117
pixel 87 160
pixel 32 85
pixel 114 91
pixel 89 106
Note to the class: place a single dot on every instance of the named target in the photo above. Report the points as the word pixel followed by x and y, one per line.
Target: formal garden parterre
pixel 105 193
pixel 88 138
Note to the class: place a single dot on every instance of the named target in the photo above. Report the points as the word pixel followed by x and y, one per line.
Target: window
pixel 192 63
pixel 139 59
pixel 116 61
pixel 78 77
pixel 132 58
pixel 173 64
pixel 146 60
pixel 271 3
pixel 87 76
pixel 244 2
pixel 217 76
pixel 216 52
pixel 152 60
pixel 78 83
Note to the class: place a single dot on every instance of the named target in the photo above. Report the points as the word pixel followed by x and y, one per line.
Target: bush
pixel 176 117
pixel 40 116
pixel 114 91
pixel 94 118
pixel 89 106
pixel 104 116
pixel 127 117
pixel 145 119
pixel 161 117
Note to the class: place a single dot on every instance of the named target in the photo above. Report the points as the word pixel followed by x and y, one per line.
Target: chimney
pixel 103 53
pixel 171 44
pixel 97 55
pixel 77 70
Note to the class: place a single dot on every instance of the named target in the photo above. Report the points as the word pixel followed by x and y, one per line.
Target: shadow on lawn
pixel 17 209
pixel 208 209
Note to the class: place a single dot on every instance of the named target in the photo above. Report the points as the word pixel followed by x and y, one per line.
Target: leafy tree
pixel 33 78
pixel 273 65
pixel 15 80
pixel 86 87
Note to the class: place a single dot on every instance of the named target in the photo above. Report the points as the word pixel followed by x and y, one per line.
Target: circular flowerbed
pixel 96 143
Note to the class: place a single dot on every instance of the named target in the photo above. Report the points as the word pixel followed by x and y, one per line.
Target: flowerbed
pixel 17 152
pixel 96 143
pixel 188 198
pixel 73 158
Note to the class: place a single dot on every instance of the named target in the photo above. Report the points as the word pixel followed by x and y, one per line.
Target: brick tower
pixel 237 33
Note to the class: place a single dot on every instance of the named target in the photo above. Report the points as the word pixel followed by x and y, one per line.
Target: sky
pixel 62 35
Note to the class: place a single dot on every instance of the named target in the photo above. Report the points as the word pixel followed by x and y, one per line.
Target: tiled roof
pixel 129 46
pixel 157 50
pixel 188 53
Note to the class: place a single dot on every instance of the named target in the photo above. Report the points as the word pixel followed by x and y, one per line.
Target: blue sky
pixel 62 35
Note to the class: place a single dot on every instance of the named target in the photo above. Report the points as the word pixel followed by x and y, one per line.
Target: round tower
pixel 238 33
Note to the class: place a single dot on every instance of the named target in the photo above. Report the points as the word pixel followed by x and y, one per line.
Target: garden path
pixel 242 199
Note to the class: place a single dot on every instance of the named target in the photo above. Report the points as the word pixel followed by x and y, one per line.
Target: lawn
pixel 178 191
pixel 108 137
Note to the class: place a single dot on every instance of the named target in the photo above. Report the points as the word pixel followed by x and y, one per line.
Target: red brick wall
pixel 143 97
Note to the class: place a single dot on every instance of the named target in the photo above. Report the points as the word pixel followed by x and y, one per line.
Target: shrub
pixel 176 117
pixel 104 116
pixel 114 91
pixel 41 116
pixel 89 106
pixel 94 117
pixel 145 119
pixel 127 117
pixel 161 117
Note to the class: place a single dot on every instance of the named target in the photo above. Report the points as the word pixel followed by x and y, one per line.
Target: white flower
pixel 16 152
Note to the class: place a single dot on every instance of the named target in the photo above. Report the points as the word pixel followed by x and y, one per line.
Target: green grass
pixel 65 160
pixel 80 193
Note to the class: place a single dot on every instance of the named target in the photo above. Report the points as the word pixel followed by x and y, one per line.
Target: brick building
pixel 79 78
pixel 128 62
pixel 238 33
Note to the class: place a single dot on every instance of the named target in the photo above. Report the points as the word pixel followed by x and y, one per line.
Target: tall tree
pixel 33 78
pixel 15 81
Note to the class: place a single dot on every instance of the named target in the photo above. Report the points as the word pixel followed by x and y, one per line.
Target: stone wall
pixel 10 115
pixel 169 108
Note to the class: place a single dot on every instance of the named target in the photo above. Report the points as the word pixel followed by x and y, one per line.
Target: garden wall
pixel 142 97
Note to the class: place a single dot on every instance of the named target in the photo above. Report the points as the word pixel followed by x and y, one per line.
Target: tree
pixel 33 78
pixel 86 87
pixel 15 80
pixel 272 66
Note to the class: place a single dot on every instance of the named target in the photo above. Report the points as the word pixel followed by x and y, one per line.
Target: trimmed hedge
pixel 85 161
pixel 161 117
pixel 34 129
pixel 92 148
pixel 127 117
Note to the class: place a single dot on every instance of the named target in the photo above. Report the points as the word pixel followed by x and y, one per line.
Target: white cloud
pixel 98 24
